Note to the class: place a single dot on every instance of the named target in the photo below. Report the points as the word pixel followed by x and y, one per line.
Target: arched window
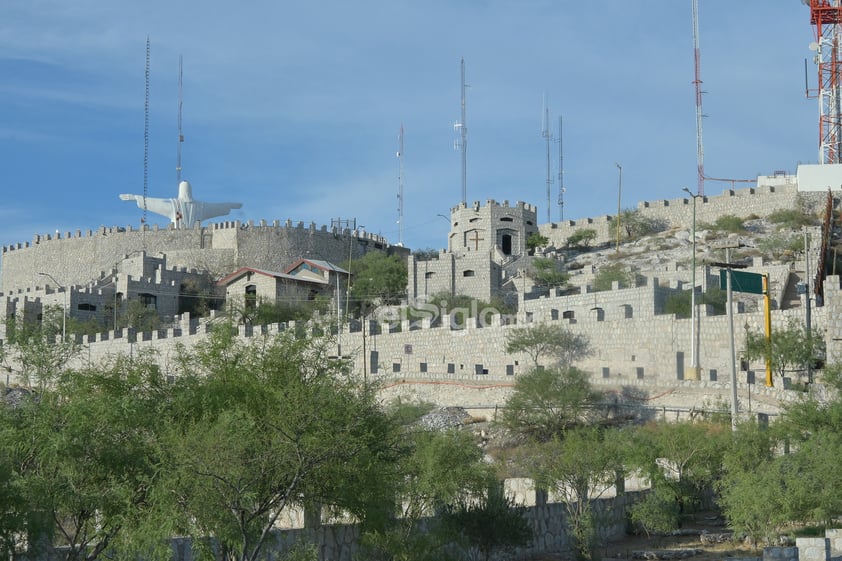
pixel 251 297
pixel 506 244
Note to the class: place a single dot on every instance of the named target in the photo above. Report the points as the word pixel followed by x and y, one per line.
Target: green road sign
pixel 741 281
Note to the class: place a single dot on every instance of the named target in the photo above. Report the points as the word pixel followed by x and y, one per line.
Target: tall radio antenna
pixel 462 142
pixel 146 135
pixel 180 134
pixel 700 151
pixel 826 17
pixel 561 188
pixel 548 137
pixel 400 187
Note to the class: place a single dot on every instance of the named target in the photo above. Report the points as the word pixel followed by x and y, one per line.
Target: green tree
pixel 749 492
pixel 253 428
pixel 37 348
pixel 547 340
pixel 608 274
pixel 577 468
pixel 16 515
pixel 681 460
pixel 378 279
pixel 636 225
pixel 547 273
pixel 546 403
pixel 790 348
pixel 583 237
pixel 489 523
pixel 139 316
pixel 87 457
pixel 425 254
pixel 442 469
pixel 536 240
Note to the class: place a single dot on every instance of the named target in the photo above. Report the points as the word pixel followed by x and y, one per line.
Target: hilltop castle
pixel 636 343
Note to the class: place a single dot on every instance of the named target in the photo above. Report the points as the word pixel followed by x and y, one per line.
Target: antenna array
pixel 462 142
pixel 548 137
pixel 146 135
pixel 561 188
pixel 400 187
pixel 697 81
pixel 180 134
pixel 826 17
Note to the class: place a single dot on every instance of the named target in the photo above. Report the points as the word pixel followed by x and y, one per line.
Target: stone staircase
pixel 791 298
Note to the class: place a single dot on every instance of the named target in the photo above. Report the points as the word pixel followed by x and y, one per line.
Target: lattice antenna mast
pixel 400 187
pixel 826 17
pixel 548 137
pixel 697 81
pixel 561 188
pixel 146 135
pixel 180 133
pixel 462 142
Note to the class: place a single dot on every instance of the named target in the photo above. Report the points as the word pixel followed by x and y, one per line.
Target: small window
pixel 507 219
pixel 451 368
pixel 396 367
pixel 86 307
pixel 510 370
pixel 422 367
pixel 468 273
pixel 474 219
pixel 148 300
pixel 429 275
pixel 568 314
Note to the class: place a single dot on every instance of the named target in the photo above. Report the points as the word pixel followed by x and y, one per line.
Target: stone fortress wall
pixel 772 192
pixel 635 345
pixel 75 259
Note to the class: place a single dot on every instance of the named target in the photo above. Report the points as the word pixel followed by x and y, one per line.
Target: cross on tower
pixel 476 240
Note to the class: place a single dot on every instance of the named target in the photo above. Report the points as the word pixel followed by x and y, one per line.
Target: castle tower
pixel 495 228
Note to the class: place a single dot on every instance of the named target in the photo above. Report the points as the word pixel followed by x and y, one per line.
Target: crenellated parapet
pixel 76 258
pixel 770 194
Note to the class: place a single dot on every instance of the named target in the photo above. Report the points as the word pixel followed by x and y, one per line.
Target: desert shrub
pixel 726 223
pixel 791 218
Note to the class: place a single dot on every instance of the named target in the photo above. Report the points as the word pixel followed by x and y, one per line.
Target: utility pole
pixel 694 316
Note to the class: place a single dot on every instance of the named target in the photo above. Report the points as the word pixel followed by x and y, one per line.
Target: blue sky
pixel 294 108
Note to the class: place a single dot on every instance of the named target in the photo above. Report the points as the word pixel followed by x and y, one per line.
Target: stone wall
pixel 340 542
pixel 219 248
pixel 771 193
pixel 465 363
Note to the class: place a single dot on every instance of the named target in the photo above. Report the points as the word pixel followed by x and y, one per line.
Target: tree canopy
pixel 560 345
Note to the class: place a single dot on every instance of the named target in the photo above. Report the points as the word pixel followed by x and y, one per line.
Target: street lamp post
pixel 694 332
pixel 63 307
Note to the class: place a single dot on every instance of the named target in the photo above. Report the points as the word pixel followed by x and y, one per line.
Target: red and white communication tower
pixel 826 17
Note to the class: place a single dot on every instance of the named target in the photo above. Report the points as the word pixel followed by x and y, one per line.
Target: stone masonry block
pixel 813 549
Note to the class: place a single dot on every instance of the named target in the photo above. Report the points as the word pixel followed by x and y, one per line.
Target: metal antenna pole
pixel 180 134
pixel 547 137
pixel 561 188
pixel 700 151
pixel 146 135
pixel 400 187
pixel 462 142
